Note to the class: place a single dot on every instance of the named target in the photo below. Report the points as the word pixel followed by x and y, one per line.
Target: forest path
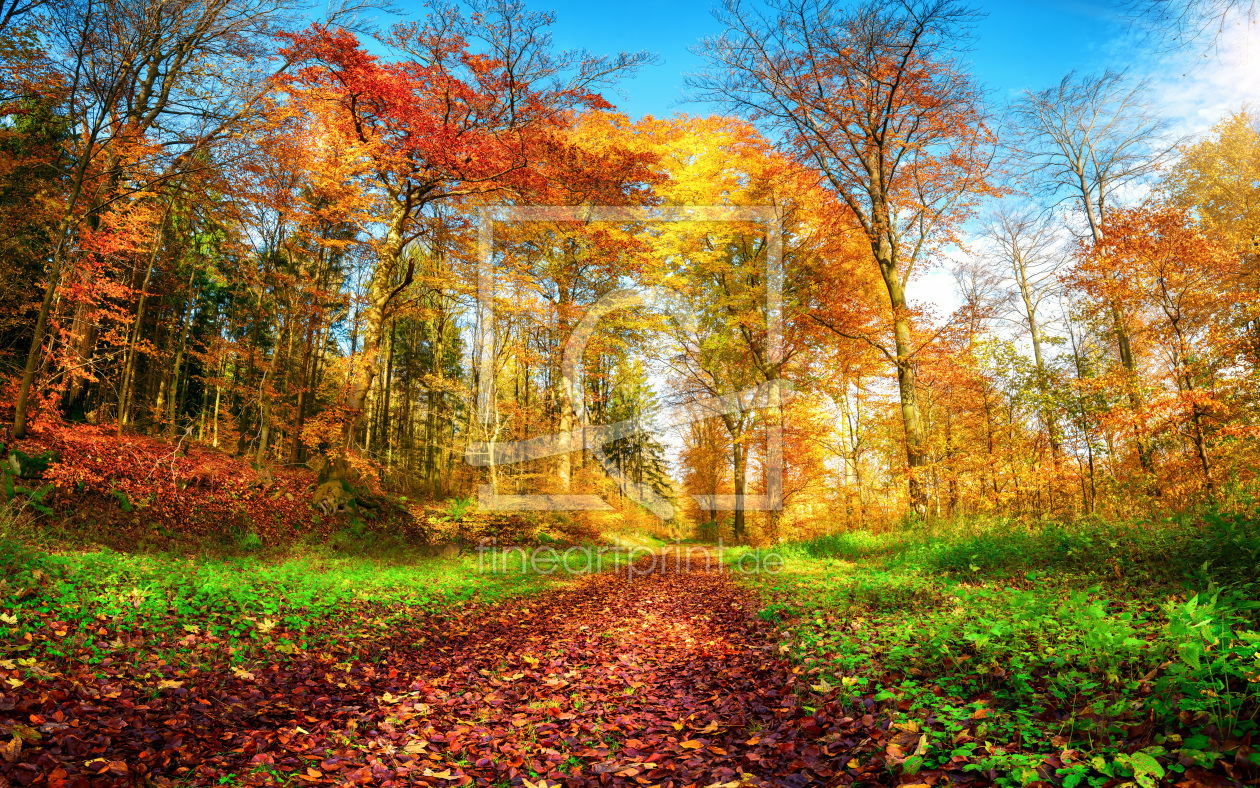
pixel 658 676
pixel 648 677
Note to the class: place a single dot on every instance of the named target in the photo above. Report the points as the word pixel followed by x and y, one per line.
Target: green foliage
pixel 20 465
pixel 249 541
pixel 26 466
pixel 166 593
pixel 1225 549
pixel 1038 639
pixel 17 560
pixel 458 508
pixel 36 497
pixel 707 532
pixel 124 502
pixel 1220 548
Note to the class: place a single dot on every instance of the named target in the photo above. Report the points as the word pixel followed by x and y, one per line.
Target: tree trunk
pixel 32 358
pixel 129 362
pixel 387 383
pixel 739 467
pixel 299 419
pixel 179 352
pixel 82 344
pixel 376 316
pixel 907 382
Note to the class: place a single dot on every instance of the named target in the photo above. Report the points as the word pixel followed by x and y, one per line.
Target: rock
pixel 25 466
pixel 333 497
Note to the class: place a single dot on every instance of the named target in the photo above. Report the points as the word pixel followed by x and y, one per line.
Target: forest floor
pixel 320 669
pixel 1095 654
pixel 620 678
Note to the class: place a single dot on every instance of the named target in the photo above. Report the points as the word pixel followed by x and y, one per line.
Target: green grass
pixel 1095 651
pixel 1216 548
pixel 91 601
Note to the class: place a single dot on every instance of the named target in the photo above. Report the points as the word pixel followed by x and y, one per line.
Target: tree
pixel 12 11
pixel 1084 140
pixel 1218 179
pixel 703 458
pixel 1181 23
pixel 450 122
pixel 147 90
pixel 1025 243
pixel 1087 138
pixel 639 456
pixel 875 100
pixel 570 265
pixel 723 343
pixel 1176 279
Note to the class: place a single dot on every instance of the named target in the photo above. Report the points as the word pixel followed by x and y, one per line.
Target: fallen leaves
pixel 672 668
pixel 139 483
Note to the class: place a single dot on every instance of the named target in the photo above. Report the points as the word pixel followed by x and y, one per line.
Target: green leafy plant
pixel 124 502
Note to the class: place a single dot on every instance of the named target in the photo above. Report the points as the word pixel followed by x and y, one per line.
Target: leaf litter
pixel 666 679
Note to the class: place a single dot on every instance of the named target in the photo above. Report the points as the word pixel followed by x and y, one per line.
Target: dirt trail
pixel 665 679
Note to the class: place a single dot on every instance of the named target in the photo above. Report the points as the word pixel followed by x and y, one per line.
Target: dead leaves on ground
pixel 663 680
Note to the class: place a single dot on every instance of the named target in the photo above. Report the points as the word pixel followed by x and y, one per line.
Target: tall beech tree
pixel 1084 140
pixel 875 99
pixel 474 110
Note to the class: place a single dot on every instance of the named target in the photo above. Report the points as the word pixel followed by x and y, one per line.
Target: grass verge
pixel 1086 655
pixel 97 606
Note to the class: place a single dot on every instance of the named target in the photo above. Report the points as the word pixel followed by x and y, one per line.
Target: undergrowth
pixel 1086 654
pixel 98 605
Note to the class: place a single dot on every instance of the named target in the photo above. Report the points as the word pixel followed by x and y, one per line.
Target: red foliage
pixel 42 411
pixel 201 492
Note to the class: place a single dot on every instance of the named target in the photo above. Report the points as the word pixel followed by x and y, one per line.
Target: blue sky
pixel 1021 44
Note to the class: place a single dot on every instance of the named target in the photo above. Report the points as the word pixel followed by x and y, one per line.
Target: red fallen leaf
pixel 691 744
